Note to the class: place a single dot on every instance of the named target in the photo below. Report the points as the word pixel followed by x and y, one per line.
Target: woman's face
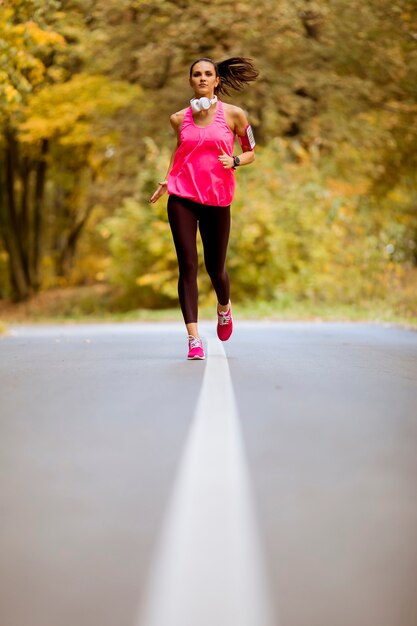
pixel 203 79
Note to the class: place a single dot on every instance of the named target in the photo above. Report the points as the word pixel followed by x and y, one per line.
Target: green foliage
pixel 296 230
pixel 28 42
pixel 66 110
pixel 143 257
pixel 58 133
pixel 328 210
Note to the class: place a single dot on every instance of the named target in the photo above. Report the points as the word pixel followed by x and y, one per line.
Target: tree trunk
pixel 19 279
pixel 22 236
pixel 312 21
pixel 66 257
pixel 24 218
pixel 67 249
pixel 40 175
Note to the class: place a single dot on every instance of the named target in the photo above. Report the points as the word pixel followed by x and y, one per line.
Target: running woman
pixel 201 182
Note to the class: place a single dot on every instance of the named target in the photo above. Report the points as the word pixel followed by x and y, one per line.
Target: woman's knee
pixel 188 269
pixel 216 274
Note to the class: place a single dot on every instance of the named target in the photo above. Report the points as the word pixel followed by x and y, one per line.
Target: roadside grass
pixel 91 305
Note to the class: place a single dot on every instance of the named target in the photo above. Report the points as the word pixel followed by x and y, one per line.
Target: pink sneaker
pixel 195 349
pixel 224 324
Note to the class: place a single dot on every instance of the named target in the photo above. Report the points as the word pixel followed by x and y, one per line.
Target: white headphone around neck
pixel 202 103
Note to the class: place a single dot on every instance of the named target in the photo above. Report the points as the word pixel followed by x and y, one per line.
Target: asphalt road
pixel 94 423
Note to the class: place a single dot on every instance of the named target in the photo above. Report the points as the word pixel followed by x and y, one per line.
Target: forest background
pixel 324 222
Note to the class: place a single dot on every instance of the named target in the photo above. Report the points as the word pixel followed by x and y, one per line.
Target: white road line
pixel 208 569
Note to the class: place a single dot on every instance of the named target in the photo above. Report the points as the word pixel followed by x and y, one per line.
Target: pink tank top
pixel 197 173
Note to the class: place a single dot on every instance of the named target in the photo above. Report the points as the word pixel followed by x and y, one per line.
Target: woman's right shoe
pixel 224 324
pixel 195 349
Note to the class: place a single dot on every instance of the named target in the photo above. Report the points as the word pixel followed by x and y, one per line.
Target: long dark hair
pixel 234 73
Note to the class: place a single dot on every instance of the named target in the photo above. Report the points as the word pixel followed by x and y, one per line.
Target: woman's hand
pixel 226 160
pixel 162 187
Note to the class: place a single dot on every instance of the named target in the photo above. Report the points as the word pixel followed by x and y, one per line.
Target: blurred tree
pixel 336 90
pixel 51 116
pixel 322 63
pixel 27 52
pixel 83 140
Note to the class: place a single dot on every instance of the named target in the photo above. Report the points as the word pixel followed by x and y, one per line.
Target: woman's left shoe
pixel 195 349
pixel 224 324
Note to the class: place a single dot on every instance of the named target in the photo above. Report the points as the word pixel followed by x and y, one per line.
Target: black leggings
pixel 214 225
